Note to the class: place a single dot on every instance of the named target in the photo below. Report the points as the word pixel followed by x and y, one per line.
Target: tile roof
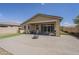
pixel 45 15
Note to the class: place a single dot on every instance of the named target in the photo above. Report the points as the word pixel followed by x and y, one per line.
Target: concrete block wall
pixel 8 30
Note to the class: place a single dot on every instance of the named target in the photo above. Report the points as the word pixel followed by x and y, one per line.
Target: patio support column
pixel 57 28
pixel 47 29
pixel 26 28
pixel 40 28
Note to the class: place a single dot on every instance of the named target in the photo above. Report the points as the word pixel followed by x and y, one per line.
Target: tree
pixel 76 20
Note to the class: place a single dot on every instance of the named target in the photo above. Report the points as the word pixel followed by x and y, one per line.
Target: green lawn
pixel 8 35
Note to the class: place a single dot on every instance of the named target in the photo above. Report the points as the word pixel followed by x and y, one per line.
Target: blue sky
pixel 22 12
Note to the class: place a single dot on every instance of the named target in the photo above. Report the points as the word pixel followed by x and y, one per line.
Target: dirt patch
pixel 4 52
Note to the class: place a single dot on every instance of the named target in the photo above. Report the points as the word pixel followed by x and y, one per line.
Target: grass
pixel 8 35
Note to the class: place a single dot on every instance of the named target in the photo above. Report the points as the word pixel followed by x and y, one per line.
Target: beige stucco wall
pixel 8 30
pixel 57 27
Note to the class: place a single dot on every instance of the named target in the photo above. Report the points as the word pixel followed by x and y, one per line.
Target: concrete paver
pixel 44 45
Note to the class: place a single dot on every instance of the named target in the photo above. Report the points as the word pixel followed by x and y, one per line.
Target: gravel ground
pixel 4 52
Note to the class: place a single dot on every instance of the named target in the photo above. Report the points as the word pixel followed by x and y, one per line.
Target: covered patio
pixel 43 24
pixel 46 28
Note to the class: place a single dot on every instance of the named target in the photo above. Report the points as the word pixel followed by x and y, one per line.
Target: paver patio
pixel 48 45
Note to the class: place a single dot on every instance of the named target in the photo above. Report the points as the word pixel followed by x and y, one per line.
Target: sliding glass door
pixel 47 28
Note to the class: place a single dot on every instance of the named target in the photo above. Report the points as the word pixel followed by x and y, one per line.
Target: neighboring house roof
pixel 43 15
pixel 9 23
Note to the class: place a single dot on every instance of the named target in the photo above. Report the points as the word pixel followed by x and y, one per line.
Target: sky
pixel 22 12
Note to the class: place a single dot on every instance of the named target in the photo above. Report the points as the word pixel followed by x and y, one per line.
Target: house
pixel 8 27
pixel 45 24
